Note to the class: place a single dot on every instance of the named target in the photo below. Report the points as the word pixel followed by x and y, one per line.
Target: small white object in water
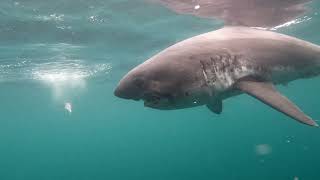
pixel 68 107
pixel 197 7
pixel 263 149
pixel 296 178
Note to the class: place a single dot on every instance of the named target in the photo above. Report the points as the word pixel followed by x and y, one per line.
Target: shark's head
pixel 163 84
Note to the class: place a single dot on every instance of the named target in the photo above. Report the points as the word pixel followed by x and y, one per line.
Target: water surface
pixel 60 53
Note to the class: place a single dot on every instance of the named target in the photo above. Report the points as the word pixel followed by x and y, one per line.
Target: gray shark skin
pixel 256 13
pixel 209 68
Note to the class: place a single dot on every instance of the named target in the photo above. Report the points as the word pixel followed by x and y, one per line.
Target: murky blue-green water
pixel 63 55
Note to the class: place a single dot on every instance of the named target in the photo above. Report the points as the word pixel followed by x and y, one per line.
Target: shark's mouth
pixel 151 100
pixel 158 101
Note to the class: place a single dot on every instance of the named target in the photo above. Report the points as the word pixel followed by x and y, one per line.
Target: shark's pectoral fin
pixel 266 92
pixel 215 106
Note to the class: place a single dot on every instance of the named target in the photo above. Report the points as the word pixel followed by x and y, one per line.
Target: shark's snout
pixel 126 93
pixel 121 93
pixel 127 89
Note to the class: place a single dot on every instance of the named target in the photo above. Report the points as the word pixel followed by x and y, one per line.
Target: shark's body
pixel 206 69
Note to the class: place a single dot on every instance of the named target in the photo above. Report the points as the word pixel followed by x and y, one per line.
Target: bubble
pixel 96 19
pixel 305 148
pixel 263 149
pixel 289 139
pixel 51 17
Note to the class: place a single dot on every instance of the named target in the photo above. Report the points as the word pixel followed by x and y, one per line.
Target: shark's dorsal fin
pixel 215 106
pixel 266 92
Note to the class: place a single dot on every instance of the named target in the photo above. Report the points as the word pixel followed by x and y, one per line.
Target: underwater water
pixel 59 64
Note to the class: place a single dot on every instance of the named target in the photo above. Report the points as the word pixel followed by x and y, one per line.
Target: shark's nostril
pixel 117 92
